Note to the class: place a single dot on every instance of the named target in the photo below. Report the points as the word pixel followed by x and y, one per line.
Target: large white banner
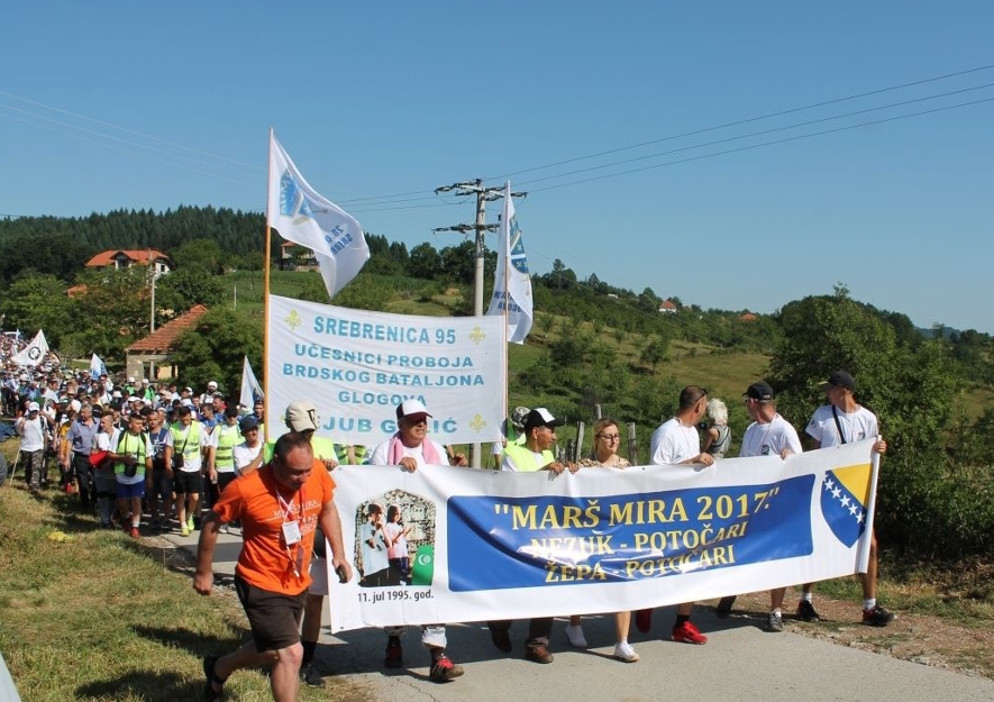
pixel 357 366
pixel 484 545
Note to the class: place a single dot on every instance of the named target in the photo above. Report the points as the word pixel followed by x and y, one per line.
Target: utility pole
pixel 475 187
pixel 483 195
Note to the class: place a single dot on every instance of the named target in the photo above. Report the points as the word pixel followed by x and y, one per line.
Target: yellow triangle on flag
pixel 856 479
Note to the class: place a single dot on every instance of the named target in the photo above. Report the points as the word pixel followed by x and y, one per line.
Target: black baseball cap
pixel 541 417
pixel 841 379
pixel 760 390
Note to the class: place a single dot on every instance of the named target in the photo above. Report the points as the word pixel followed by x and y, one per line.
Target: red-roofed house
pixel 667 307
pixel 154 349
pixel 119 259
pixel 748 317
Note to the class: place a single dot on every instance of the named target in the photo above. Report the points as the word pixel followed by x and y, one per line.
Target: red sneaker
pixel 688 633
pixel 134 532
pixel 643 620
pixel 443 670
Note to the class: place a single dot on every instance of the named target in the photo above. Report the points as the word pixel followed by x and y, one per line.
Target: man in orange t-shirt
pixel 279 505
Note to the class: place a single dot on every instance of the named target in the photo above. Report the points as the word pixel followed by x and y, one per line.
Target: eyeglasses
pixel 609 437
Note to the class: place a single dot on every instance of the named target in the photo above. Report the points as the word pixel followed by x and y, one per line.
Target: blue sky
pixel 107 105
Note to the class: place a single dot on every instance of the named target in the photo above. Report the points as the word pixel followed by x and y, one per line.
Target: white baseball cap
pixel 409 407
pixel 33 407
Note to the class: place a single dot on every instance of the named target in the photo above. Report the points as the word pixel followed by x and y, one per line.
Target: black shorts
pixel 187 483
pixel 162 484
pixel 273 617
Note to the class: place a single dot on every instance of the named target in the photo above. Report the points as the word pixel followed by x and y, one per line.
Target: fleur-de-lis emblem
pixel 293 320
pixel 478 423
pixel 477 336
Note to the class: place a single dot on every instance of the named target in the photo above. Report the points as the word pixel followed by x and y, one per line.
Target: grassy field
pixel 93 615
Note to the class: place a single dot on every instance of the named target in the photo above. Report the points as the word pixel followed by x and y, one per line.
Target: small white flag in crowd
pixel 251 390
pixel 97 366
pixel 512 284
pixel 301 215
pixel 34 353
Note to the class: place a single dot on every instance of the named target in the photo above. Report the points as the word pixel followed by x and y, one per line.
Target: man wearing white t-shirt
pixel 768 435
pixel 31 427
pixel 843 421
pixel 411 448
pixel 676 441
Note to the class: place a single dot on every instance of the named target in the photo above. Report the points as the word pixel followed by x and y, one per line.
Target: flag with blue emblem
pixel 845 495
pixel 97 366
pixel 301 215
pixel 512 294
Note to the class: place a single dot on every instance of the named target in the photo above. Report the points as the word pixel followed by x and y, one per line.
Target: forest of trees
pixel 938 493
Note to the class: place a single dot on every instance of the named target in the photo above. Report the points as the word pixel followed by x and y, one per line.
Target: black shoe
pixel 310 675
pixel 210 694
pixel 501 639
pixel 878 616
pixel 806 612
pixel 724 607
pixel 538 654
pixel 394 654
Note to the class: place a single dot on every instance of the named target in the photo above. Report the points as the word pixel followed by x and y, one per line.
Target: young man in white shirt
pixel 676 441
pixel 842 421
pixel 768 435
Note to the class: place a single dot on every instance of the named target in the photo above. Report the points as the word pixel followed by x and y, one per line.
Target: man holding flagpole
pixel 301 215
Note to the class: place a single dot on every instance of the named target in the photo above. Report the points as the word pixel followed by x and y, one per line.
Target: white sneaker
pixel 575 636
pixel 623 651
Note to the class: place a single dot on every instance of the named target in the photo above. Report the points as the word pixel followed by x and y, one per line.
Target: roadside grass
pixel 959 591
pixel 94 615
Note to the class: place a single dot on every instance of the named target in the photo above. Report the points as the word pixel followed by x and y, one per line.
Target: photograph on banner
pixel 508 545
pixel 356 366
pixel 395 540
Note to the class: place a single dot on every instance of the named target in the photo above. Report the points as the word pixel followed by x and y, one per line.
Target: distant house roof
pixel 667 306
pixel 748 317
pixel 140 257
pixel 76 290
pixel 163 338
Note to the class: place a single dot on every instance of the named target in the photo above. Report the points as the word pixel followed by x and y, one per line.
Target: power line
pixel 750 147
pixel 762 132
pixel 133 132
pixel 747 120
pixel 122 150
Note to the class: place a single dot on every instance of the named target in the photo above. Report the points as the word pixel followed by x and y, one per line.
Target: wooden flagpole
pixel 265 294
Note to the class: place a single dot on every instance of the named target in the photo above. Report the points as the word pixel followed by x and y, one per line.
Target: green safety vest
pixel 322 447
pixel 189 442
pixel 343 453
pixel 131 445
pixel 524 459
pixel 227 438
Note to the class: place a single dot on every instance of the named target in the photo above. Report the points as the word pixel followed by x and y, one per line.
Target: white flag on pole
pixel 97 366
pixel 251 390
pixel 512 285
pixel 301 215
pixel 34 353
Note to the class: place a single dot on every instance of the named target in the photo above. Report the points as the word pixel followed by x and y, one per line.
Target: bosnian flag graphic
pixel 844 495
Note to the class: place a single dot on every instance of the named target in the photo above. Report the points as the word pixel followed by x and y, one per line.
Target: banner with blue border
pixel 488 545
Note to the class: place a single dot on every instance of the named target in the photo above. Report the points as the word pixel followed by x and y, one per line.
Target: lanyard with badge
pixel 291 531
